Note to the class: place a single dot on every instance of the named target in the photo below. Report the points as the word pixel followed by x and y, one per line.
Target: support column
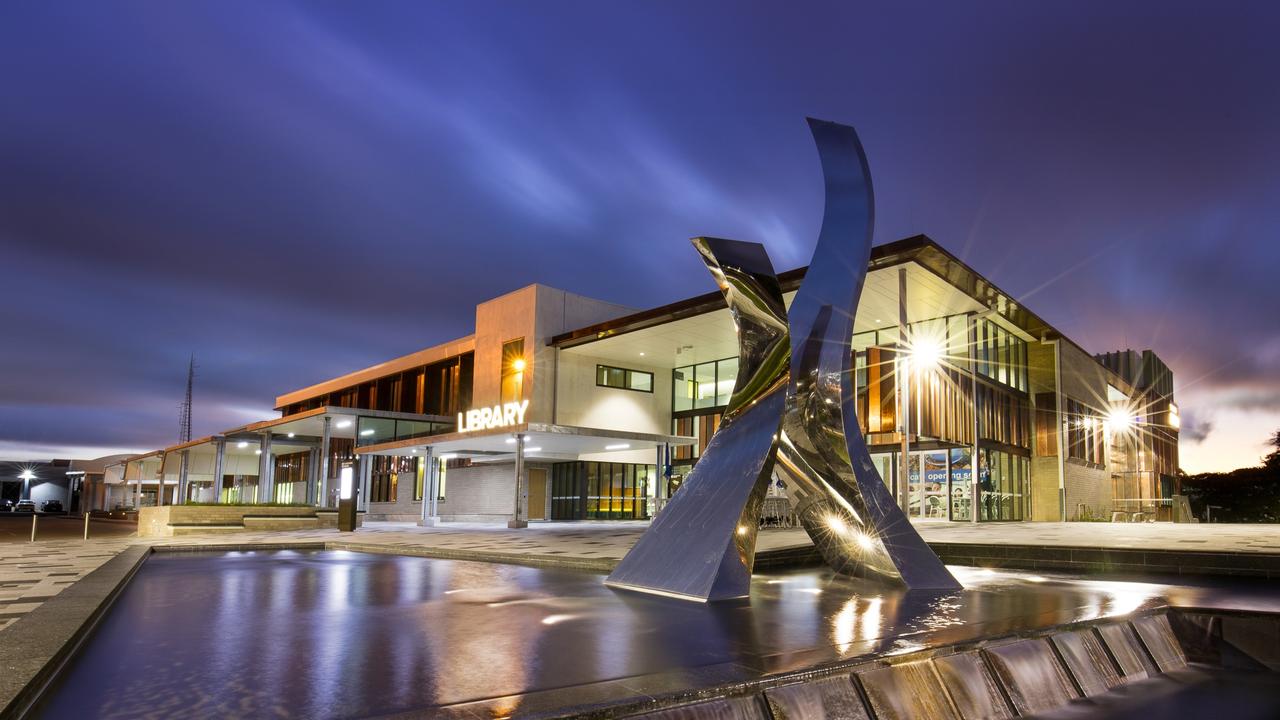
pixel 364 465
pixel 430 476
pixel 266 490
pixel 311 476
pixel 160 498
pixel 219 462
pixel 1059 418
pixel 323 485
pixel 518 517
pixel 904 392
pixel 975 484
pixel 183 477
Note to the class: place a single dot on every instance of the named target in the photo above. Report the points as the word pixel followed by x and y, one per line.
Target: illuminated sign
pixel 346 483
pixel 488 418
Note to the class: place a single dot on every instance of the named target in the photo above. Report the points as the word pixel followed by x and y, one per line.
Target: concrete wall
pixel 536 313
pixel 579 401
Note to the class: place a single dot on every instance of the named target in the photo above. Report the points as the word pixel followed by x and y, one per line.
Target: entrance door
pixel 537 494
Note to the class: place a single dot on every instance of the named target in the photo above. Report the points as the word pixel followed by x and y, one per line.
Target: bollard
pixel 34 517
pixel 86 526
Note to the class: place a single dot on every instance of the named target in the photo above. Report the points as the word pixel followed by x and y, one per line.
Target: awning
pixel 542 441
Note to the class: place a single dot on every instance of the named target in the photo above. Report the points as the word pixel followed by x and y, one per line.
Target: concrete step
pixel 268 522
pixel 200 529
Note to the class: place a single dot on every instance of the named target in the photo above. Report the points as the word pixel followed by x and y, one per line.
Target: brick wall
pixel 1088 485
pixel 479 493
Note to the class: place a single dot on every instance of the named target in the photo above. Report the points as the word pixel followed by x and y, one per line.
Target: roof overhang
pixel 542 441
pixel 919 249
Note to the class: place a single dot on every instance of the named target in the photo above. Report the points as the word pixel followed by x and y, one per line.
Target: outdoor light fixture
pixel 290 434
pixel 511 441
pixel 926 352
pixel 1119 419
pixel 345 483
pixel 518 364
pixel 27 475
pixel 534 449
pixel 344 423
pixel 242 444
pixel 622 446
pixel 257 452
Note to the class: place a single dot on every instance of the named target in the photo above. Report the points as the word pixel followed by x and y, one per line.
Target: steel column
pixel 219 463
pixel 517 520
pixel 266 469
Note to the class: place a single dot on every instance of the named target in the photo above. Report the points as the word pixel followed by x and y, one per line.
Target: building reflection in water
pixel 319 634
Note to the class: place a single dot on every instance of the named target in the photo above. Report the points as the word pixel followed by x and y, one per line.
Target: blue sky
pixel 291 191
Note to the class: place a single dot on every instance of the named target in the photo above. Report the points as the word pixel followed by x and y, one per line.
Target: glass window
pixel 624 379
pixel 374 430
pixel 514 364
pixel 960 478
pixel 682 389
pixel 726 376
pixel 640 381
pixel 593 490
pixel 704 376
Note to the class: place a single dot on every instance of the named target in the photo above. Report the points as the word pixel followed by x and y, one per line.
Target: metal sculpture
pixel 839 496
pixel 702 545
pixel 792 406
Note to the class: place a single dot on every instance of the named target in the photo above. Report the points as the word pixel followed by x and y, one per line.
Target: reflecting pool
pixel 342 634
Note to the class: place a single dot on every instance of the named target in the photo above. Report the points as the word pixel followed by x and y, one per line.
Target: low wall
pixel 160 521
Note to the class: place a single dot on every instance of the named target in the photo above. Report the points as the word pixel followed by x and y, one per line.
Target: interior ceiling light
pixel 242 444
pixel 621 446
pixel 344 423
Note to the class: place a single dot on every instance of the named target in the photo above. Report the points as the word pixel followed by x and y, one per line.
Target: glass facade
pixel 703 386
pixel 442 388
pixel 371 430
pixel 588 490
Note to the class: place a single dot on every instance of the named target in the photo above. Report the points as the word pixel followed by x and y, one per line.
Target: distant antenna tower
pixel 184 410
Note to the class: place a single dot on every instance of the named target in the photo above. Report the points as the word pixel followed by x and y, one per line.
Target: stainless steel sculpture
pixel 793 405
pixel 839 496
pixel 702 545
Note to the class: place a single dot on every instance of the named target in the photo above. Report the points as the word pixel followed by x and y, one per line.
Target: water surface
pixel 323 634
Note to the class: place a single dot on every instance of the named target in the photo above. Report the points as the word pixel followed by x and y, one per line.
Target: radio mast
pixel 184 410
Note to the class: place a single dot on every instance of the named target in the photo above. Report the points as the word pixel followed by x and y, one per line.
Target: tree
pixel 1272 461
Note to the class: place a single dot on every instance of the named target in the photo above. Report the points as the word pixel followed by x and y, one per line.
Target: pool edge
pixel 36 647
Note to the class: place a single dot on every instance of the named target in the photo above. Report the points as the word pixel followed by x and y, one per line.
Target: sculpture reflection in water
pixel 792 409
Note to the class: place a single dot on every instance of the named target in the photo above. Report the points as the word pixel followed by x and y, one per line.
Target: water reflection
pixel 341 634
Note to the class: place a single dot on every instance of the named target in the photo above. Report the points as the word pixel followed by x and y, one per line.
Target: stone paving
pixel 31 573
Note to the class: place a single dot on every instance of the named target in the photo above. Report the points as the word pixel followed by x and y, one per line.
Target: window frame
pixel 626 378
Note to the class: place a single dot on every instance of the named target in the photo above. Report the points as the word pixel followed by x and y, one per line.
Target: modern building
pixel 70 482
pixel 582 409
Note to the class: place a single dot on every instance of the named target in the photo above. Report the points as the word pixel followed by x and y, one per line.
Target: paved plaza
pixel 31 573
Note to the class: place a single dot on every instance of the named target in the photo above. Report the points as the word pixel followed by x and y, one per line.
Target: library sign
pixel 490 418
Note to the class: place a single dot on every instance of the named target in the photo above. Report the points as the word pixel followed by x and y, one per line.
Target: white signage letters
pixel 488 418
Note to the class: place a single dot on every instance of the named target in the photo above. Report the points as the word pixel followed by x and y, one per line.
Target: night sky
pixel 295 191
